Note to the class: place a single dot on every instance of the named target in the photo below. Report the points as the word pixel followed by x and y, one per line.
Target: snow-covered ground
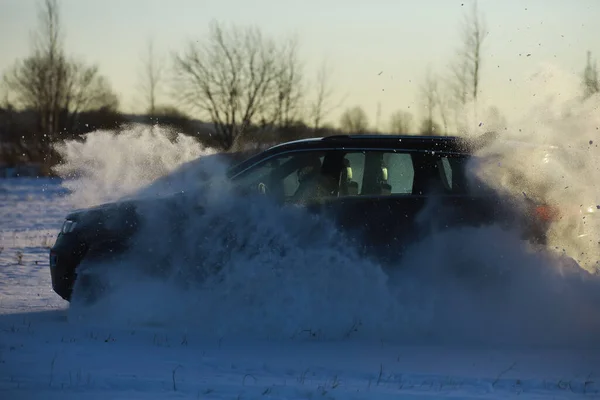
pixel 31 213
pixel 46 353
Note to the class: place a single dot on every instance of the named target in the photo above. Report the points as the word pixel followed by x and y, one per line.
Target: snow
pixel 47 353
pixel 31 212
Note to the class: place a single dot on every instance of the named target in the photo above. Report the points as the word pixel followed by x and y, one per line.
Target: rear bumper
pixel 65 256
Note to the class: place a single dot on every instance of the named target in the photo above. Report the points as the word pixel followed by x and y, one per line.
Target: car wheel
pixel 88 289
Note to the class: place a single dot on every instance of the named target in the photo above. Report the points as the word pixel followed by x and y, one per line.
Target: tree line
pixel 245 87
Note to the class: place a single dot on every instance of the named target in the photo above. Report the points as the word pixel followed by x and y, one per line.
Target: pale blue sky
pixel 360 38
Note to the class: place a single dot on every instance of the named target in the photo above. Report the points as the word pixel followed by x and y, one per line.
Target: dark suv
pixel 373 186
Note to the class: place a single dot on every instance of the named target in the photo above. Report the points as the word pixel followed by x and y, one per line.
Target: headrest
pixel 384 173
pixel 307 171
pixel 348 170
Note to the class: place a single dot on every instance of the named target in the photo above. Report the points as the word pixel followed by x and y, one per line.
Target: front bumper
pixel 65 256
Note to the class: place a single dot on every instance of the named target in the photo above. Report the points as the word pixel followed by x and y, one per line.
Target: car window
pixel 446 172
pixel 354 166
pixel 377 173
pixel 452 173
pixel 287 177
pixel 401 173
pixel 291 183
pixel 259 172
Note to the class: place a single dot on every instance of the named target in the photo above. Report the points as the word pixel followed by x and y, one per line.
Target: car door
pixel 375 204
pixel 383 200
pixel 388 199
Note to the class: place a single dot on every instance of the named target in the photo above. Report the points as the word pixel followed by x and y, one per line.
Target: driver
pixel 312 183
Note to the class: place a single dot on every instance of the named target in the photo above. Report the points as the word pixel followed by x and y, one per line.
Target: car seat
pixel 348 187
pixel 386 188
pixel 375 182
pixel 313 182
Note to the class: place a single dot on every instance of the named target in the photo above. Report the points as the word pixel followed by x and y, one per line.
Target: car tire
pixel 88 289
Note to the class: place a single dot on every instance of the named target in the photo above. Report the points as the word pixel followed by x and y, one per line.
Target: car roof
pixel 409 142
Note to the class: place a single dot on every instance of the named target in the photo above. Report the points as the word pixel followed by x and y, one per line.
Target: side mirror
pixel 262 188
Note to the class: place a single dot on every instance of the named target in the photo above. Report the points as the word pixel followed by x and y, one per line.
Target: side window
pixel 446 172
pixel 288 177
pixel 351 177
pixel 290 184
pixel 260 172
pixel 452 171
pixel 401 173
pixel 375 173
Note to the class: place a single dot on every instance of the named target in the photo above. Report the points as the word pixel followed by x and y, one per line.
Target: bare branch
pixel 401 122
pixel 48 38
pixel 151 76
pixel 591 84
pixel 431 95
pixel 288 86
pixel 465 75
pixel 429 90
pixel 322 105
pixel 354 121
pixel 442 103
pixel 475 32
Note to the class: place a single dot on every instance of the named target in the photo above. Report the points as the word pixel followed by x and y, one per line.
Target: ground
pixel 46 353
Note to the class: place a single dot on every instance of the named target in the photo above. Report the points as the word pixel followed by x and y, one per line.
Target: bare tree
pixel 322 105
pixel 429 127
pixel 459 82
pixel 401 122
pixel 230 78
pixel 85 89
pixel 591 85
pixel 37 81
pixel 378 116
pixel 429 91
pixel 151 76
pixel 443 105
pixel 288 86
pixel 474 33
pixel 56 88
pixel 466 70
pixel 354 121
pixel 458 92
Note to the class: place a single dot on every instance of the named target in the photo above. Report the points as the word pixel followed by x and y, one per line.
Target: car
pixel 374 187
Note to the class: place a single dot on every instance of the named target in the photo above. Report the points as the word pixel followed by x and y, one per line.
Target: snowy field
pixel 45 353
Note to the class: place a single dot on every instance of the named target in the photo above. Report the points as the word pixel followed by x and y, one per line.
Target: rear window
pixel 452 173
pixel 455 176
pixel 402 173
pixel 372 172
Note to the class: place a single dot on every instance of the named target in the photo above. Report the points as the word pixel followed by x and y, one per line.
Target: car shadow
pixel 29 318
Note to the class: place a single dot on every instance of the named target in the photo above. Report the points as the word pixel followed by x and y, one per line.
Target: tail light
pixel 546 213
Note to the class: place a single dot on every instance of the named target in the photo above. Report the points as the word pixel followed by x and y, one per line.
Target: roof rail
pixel 386 136
pixel 333 137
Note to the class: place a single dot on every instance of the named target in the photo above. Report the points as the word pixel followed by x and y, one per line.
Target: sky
pixel 378 50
